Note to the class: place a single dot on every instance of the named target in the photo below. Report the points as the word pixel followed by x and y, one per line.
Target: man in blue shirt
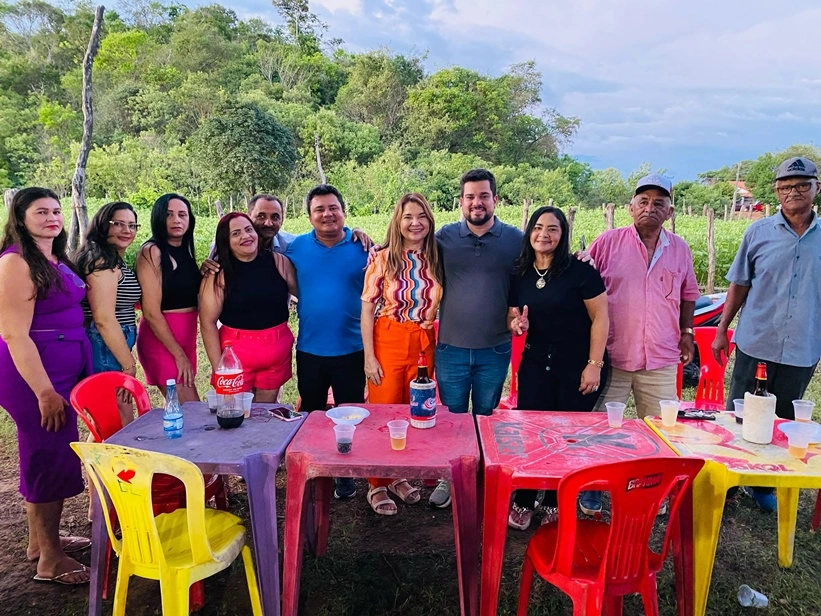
pixel 330 272
pixel 775 276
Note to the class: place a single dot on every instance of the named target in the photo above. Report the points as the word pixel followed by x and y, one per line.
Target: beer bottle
pixel 760 380
pixel 422 370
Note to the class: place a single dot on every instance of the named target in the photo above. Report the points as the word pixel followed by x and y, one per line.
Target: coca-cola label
pixel 228 383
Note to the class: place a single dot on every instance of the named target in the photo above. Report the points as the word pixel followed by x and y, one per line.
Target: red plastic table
pixel 449 451
pixel 253 451
pixel 534 450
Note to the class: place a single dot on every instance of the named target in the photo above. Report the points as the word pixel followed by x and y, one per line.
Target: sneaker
pixel 345 488
pixel 549 515
pixel 440 497
pixel 766 501
pixel 590 502
pixel 663 508
pixel 519 517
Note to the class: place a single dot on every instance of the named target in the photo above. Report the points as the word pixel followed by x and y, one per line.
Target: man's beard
pixel 483 217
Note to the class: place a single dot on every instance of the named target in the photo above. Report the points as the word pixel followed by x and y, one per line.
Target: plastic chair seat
pixel 223 529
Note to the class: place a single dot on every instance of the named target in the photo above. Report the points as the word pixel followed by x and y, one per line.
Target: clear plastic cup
pixel 344 437
pixel 738 407
pixel 213 400
pixel 669 412
pixel 803 409
pixel 245 399
pixel 399 433
pixel 799 435
pixel 751 598
pixel 615 413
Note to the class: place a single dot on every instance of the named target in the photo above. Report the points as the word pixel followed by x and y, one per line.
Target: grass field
pixel 404 565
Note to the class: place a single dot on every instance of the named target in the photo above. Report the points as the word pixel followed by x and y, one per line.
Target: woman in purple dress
pixel 44 352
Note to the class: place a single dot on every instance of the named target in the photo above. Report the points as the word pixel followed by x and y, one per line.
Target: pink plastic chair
pixel 710 389
pixel 511 401
pixel 597 563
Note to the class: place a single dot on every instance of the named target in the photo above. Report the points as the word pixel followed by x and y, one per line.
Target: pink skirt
pixel 158 364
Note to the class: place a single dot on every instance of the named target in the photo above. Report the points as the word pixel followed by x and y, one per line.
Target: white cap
pixel 170 382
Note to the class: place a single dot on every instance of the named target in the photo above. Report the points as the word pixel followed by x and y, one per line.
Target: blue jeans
pixel 480 371
pixel 103 358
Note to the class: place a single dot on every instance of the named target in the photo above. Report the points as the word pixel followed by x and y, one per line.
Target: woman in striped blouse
pixel 399 303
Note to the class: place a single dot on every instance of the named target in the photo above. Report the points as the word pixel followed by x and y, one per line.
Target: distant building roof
pixel 742 189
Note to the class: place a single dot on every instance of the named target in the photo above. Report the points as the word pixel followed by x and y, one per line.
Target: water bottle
pixel 172 417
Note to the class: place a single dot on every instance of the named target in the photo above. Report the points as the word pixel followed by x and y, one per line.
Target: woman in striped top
pixel 403 288
pixel 113 289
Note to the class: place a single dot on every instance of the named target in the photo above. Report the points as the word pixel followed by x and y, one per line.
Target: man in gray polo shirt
pixel 775 276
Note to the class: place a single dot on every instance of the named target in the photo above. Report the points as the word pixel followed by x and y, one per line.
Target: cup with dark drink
pixel 230 418
pixel 344 437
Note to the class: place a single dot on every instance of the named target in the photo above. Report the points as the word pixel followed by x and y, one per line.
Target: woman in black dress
pixel 562 305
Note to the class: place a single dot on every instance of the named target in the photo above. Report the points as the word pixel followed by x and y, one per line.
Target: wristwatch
pixel 688 330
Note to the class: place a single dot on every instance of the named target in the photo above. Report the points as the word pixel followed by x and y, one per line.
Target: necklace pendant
pixel 540 283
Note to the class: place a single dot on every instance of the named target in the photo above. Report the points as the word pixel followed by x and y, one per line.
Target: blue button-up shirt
pixel 781 319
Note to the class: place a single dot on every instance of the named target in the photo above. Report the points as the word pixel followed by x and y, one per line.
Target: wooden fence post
pixel 218 205
pixel 571 219
pixel 609 216
pixel 726 208
pixel 8 195
pixel 815 208
pixel 689 210
pixel 673 222
pixel 550 202
pixel 704 210
pixel 767 210
pixel 525 209
pixel 711 252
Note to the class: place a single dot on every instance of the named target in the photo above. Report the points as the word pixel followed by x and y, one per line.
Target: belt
pixel 49 335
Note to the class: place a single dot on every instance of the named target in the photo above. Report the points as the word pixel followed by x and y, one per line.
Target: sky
pixel 686 85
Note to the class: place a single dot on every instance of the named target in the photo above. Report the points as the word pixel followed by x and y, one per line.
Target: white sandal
pixel 384 506
pixel 411 496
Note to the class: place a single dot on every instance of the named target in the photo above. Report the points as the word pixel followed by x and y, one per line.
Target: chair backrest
pixel 122 476
pixel 710 390
pixel 95 400
pixel 637 490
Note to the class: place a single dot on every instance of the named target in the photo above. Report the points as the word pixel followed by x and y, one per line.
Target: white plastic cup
pixel 245 399
pixel 213 400
pixel 669 412
pixel 399 433
pixel 738 406
pixel 798 439
pixel 344 437
pixel 751 598
pixel 803 409
pixel 615 413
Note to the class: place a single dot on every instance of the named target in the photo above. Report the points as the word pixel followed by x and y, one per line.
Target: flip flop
pixel 58 579
pixel 75 544
pixel 411 496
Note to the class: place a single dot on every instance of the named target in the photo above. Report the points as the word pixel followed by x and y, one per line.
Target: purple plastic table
pixel 253 451
pixel 449 450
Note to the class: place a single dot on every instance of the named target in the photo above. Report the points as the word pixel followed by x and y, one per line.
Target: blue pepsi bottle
pixel 172 417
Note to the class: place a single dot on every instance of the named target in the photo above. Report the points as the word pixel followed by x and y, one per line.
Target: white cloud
pixel 334 6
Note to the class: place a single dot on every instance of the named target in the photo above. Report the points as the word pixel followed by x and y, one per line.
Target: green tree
pixel 609 186
pixel 760 179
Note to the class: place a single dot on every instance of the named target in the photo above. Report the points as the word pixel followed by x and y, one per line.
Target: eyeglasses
pixel 800 188
pixel 131 226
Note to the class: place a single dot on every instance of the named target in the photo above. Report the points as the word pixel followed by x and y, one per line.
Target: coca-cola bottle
pixel 229 381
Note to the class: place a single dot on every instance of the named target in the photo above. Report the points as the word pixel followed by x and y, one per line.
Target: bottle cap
pixel 170 382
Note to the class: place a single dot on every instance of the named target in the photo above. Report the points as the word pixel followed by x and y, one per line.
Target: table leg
pixel 260 476
pixel 709 493
pixel 787 512
pixel 683 555
pixel 99 541
pixel 466 532
pixel 323 487
pixel 296 509
pixel 498 488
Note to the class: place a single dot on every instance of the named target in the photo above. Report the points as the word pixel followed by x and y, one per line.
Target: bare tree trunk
pixel 8 195
pixel 218 206
pixel 711 251
pixel 735 190
pixel 689 210
pixel 726 206
pixel 609 216
pixel 571 220
pixel 79 211
pixel 550 202
pixel 525 210
pixel 322 178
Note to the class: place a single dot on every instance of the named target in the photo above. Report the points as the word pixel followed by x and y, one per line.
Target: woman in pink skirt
pixel 170 281
pixel 44 352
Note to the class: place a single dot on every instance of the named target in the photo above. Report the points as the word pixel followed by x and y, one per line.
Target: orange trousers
pixel 397 347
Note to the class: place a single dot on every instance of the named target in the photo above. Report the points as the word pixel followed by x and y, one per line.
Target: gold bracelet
pixel 598 364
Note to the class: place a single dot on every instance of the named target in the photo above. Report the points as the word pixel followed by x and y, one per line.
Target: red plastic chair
pixel 597 563
pixel 511 401
pixel 816 515
pixel 710 389
pixel 94 398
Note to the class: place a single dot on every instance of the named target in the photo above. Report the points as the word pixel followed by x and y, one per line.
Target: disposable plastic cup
pixel 213 400
pixel 798 441
pixel 751 598
pixel 344 437
pixel 803 409
pixel 615 413
pixel 738 406
pixel 245 399
pixel 399 433
pixel 669 412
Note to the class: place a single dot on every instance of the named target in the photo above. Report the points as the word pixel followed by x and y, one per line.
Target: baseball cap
pixel 654 181
pixel 797 166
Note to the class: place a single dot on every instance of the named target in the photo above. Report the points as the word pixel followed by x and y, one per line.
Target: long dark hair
pixel 43 274
pixel 96 253
pixel 159 230
pixel 225 256
pixel 561 256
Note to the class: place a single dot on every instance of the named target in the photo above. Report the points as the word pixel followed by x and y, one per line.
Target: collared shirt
pixel 413 296
pixel 644 303
pixel 473 314
pixel 281 241
pixel 781 318
pixel 330 281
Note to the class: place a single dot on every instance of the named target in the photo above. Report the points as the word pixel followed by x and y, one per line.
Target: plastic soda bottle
pixel 229 381
pixel 172 421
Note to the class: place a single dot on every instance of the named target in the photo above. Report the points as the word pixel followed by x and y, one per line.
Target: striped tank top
pixel 128 294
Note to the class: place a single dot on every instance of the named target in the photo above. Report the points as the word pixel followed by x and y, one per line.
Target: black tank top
pixel 181 285
pixel 258 297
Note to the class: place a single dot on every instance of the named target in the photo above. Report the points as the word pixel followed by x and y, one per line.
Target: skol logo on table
pixel 228 383
pixel 642 483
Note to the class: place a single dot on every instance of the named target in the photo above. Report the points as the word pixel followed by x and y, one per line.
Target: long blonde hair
pixel 394 242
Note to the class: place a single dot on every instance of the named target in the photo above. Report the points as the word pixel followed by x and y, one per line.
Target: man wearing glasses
pixel 775 276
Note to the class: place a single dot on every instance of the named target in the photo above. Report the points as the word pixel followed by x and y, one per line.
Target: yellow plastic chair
pixel 177 548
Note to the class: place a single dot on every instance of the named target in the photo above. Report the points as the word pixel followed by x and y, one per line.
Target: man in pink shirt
pixel 651 294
